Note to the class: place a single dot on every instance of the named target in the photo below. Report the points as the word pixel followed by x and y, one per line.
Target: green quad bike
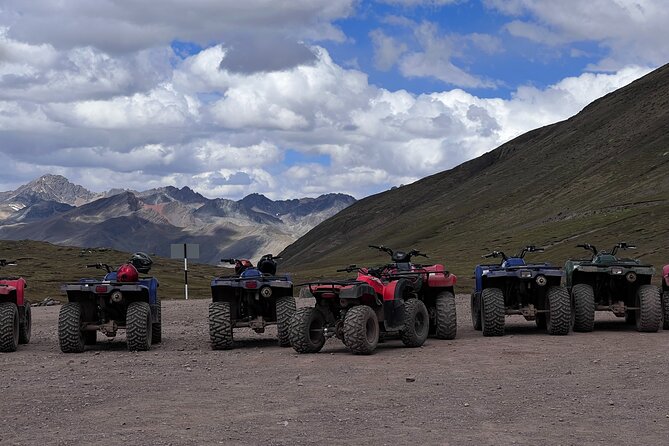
pixel 609 283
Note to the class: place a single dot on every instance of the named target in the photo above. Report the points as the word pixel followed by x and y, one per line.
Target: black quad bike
pixel 120 301
pixel 15 313
pixel 514 287
pixel 605 282
pixel 254 297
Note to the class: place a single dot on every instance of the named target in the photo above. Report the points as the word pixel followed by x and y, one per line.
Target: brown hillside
pixel 600 176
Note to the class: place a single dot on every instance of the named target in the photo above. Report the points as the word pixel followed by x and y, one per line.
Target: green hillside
pixel 601 176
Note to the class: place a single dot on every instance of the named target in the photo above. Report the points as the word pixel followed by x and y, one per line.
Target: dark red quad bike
pixel 15 316
pixel 357 311
pixel 254 297
pixel 432 284
pixel 665 297
pixel 121 300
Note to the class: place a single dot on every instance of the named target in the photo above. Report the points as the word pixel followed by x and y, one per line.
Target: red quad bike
pixel 357 311
pixel 15 316
pixel 665 296
pixel 254 297
pixel 432 284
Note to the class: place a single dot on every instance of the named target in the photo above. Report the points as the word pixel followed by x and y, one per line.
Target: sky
pixel 303 97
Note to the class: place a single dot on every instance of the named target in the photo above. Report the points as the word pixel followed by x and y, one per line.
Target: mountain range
pixel 53 209
pixel 600 177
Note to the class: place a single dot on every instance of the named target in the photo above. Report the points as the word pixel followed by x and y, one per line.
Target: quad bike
pixel 254 297
pixel 665 297
pixel 358 310
pixel 120 301
pixel 432 284
pixel 15 315
pixel 609 283
pixel 517 288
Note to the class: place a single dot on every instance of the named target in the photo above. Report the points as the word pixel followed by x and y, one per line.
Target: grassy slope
pixel 601 176
pixel 47 266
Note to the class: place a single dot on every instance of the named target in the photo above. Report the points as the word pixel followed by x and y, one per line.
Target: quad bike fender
pixel 8 287
pixel 441 280
pixel 358 291
pixel 393 303
pixel 665 275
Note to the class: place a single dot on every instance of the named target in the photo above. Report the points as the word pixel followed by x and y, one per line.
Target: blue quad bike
pixel 515 287
pixel 254 297
pixel 121 300
pixel 607 282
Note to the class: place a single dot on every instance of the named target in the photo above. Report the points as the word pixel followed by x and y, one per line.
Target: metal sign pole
pixel 185 271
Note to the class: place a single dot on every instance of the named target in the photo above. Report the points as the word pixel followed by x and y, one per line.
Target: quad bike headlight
pixel 525 274
pixel 116 297
pixel 541 280
pixel 631 277
pixel 616 270
pixel 265 291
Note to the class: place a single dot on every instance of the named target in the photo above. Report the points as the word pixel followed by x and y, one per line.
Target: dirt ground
pixel 606 387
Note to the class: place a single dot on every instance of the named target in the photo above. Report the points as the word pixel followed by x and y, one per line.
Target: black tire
pixel 649 314
pixel 285 310
pixel 306 330
pixel 138 326
pixel 665 310
pixel 475 307
pixel 583 298
pixel 492 312
pixel 446 319
pixel 90 337
pixel 157 325
pixel 559 318
pixel 9 327
pixel 70 336
pixel 416 323
pixel 220 326
pixel 541 321
pixel 25 325
pixel 361 330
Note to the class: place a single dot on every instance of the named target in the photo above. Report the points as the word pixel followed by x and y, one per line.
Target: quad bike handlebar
pixel 495 254
pixel 100 266
pixel 595 251
pixel 520 255
pixel 348 269
pixel 412 253
pixel 5 262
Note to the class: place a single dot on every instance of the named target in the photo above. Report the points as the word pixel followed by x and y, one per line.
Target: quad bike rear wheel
pixel 416 323
pixel 25 325
pixel 139 331
pixel 9 327
pixel 285 310
pixel 665 310
pixel 649 314
pixel 446 319
pixel 70 336
pixel 559 318
pixel 492 312
pixel 157 325
pixel 220 326
pixel 475 307
pixel 361 330
pixel 583 298
pixel 306 330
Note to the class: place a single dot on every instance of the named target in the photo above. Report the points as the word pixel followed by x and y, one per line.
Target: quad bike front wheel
pixel 416 323
pixel 559 318
pixel 475 307
pixel 649 313
pixel 70 336
pixel 9 327
pixel 139 332
pixel 220 326
pixel 306 330
pixel 583 298
pixel 361 330
pixel 492 312
pixel 25 325
pixel 665 310
pixel 445 319
pixel 285 310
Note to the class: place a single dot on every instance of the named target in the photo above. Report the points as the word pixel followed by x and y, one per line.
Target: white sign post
pixel 185 250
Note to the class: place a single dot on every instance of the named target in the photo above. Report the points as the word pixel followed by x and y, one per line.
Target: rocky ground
pixel 607 387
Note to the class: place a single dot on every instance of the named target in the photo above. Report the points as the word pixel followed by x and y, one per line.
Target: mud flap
pixel 393 314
